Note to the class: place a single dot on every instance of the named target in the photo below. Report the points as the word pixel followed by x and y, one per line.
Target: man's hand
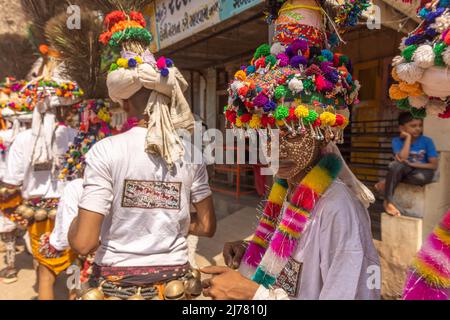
pixel 405 135
pixel 233 252
pixel 227 284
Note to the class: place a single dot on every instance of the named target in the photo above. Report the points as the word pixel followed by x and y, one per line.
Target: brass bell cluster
pixel 174 290
pixel 98 294
pixel 38 215
pixel 94 294
pixel 184 290
pixel 8 192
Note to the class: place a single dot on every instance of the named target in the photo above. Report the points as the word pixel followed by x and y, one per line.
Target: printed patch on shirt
pixel 44 166
pixel 288 279
pixel 151 194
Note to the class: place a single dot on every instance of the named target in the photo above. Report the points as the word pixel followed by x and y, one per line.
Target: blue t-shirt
pixel 421 149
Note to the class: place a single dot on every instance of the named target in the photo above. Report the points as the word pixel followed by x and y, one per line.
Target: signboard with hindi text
pixel 179 19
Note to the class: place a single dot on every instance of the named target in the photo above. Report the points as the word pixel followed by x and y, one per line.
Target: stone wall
pixel 12 17
pixel 16 52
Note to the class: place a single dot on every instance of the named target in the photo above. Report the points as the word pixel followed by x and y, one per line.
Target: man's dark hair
pixel 405 117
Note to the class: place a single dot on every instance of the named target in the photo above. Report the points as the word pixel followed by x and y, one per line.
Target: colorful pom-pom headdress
pixel 137 68
pixel 85 65
pixel 95 125
pixel 294 83
pixel 423 86
pixel 14 98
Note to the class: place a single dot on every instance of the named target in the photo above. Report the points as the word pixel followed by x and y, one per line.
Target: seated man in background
pixel 416 160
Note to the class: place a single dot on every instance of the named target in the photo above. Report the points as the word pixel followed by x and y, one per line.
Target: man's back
pixel 38 181
pixel 146 206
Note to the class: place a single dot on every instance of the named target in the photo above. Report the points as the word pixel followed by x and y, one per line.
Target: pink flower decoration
pixel 161 63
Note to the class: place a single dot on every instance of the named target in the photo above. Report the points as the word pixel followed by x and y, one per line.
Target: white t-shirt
pixel 339 260
pixel 36 182
pixel 5 138
pixel 67 211
pixel 146 206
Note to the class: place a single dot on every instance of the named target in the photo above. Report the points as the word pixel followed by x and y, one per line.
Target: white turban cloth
pixel 364 195
pixel 167 107
pixel 43 128
pixel 43 124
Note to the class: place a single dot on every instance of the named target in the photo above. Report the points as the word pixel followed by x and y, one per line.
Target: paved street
pixel 234 226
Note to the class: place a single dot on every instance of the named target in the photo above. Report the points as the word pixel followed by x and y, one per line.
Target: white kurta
pixel 5 137
pixel 6 225
pixel 336 251
pixel 67 211
pixel 146 206
pixel 36 182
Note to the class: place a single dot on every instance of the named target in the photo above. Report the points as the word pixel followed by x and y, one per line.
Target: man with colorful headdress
pixel 35 158
pixel 95 125
pixel 15 117
pixel 314 239
pixel 138 185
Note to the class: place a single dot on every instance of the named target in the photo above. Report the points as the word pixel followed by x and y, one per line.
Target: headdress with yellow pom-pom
pixel 95 125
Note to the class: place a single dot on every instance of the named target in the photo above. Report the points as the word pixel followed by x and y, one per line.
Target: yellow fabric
pixel 12 203
pixel 56 265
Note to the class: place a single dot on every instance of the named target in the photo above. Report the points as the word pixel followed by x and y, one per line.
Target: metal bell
pixel 193 287
pixel 3 191
pixel 11 191
pixel 52 214
pixel 174 290
pixel 93 294
pixel 28 213
pixel 137 296
pixel 21 209
pixel 40 215
pixel 196 274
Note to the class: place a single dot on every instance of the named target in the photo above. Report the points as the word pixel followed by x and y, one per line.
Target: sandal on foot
pixel 8 276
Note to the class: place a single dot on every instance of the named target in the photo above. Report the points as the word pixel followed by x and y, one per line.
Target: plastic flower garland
pixel 425 55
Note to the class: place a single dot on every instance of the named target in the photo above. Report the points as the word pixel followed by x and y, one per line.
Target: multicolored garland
pixel 265 259
pixel 349 13
pixel 95 125
pixel 429 276
pixel 13 97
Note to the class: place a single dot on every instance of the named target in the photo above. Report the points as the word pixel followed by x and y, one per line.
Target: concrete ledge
pixel 401 239
pixel 411 198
